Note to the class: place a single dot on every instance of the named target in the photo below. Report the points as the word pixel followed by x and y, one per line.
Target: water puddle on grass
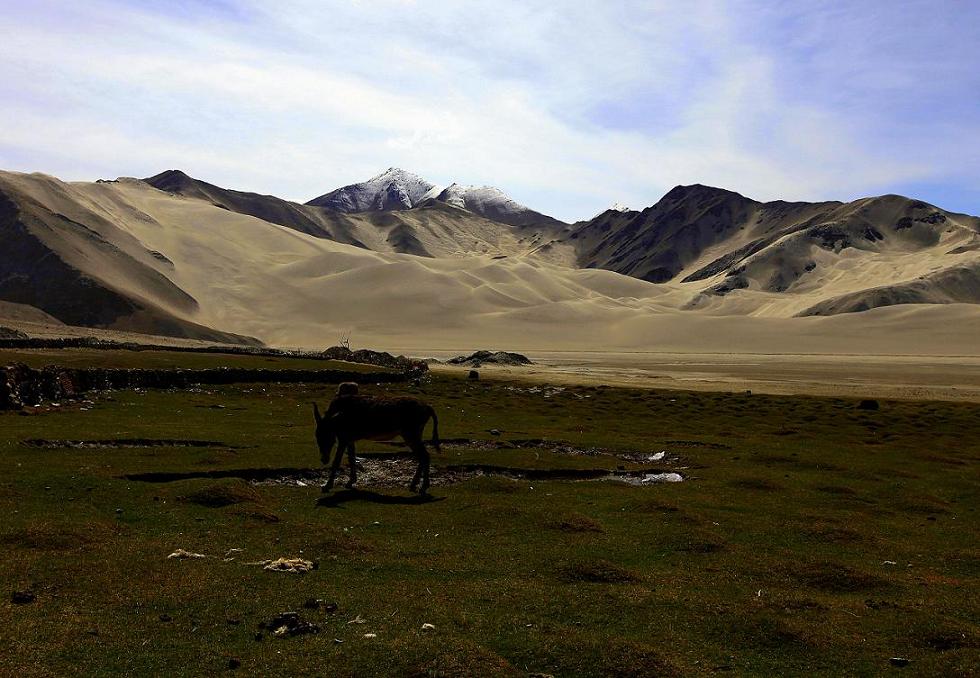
pixel 397 468
pixel 392 470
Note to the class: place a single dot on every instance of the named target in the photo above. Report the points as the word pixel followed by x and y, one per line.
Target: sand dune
pixel 184 266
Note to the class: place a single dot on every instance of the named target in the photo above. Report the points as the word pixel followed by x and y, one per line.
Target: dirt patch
pixel 709 546
pixel 835 578
pixel 467 659
pixel 45 536
pixel 123 442
pixel 598 572
pixel 839 490
pixel 223 494
pixel 755 484
pixel 832 534
pixel 576 522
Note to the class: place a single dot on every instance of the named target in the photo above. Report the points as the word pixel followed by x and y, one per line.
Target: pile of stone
pixel 490 358
pixel 379 358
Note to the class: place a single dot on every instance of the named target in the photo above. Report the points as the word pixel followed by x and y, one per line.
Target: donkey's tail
pixel 435 430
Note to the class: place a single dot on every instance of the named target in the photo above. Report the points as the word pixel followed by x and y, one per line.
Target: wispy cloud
pixel 567 106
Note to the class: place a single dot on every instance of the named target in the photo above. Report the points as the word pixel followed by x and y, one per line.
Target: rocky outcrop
pixel 378 358
pixel 490 358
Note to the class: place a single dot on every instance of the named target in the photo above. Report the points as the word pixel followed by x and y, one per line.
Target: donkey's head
pixel 325 435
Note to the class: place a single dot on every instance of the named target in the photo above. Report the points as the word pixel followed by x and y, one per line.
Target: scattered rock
pixel 900 662
pixel 234 664
pixel 166 618
pixel 317 604
pixel 428 627
pixel 10 333
pixel 868 405
pixel 289 624
pixel 370 635
pixel 24 386
pixel 473 375
pixel 289 565
pixel 492 357
pixel 22 597
pixel 181 554
pixel 662 478
pixel 378 358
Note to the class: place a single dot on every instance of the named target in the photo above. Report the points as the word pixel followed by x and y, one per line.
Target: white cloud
pixel 308 96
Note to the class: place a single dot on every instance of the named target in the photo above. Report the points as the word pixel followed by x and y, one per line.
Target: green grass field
pixel 810 537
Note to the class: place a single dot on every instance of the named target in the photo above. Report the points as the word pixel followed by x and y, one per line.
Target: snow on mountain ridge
pixel 393 189
pixel 475 198
pixel 397 189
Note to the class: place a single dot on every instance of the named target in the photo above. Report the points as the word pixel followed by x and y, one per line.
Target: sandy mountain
pixel 856 256
pixel 193 261
pixel 433 228
pixel 65 255
pixel 315 221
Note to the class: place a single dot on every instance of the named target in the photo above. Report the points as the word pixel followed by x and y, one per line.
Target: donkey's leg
pixel 422 472
pixel 352 460
pixel 425 470
pixel 413 444
pixel 336 465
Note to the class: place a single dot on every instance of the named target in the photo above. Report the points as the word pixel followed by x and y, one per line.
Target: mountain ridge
pixel 167 254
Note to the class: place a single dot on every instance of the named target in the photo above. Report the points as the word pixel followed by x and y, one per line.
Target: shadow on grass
pixel 344 496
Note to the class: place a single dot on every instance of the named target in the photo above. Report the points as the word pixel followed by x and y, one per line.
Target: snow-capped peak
pixel 397 189
pixel 620 207
pixel 393 189
pixel 474 198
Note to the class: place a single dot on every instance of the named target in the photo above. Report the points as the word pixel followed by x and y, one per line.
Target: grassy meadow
pixel 809 537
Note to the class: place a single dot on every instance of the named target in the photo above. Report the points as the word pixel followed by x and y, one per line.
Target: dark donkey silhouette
pixel 354 417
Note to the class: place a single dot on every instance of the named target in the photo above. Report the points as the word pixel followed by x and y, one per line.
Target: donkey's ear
pixel 316 414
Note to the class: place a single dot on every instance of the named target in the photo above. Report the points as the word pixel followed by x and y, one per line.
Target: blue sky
pixel 567 106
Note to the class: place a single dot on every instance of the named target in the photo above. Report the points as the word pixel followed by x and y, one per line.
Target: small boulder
pixel 22 597
pixel 473 375
pixel 868 405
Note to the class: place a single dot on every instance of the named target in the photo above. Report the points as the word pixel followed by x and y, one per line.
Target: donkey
pixel 353 417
